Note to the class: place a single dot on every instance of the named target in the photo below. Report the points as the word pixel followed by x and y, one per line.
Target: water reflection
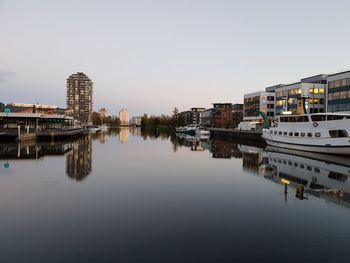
pixel 310 174
pixel 79 159
pixel 300 175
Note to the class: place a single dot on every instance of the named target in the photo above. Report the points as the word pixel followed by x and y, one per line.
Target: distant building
pixel 206 117
pixel 258 101
pixel 192 116
pixel 124 117
pixel 136 121
pixel 222 114
pixel 237 113
pixel 79 97
pixel 195 115
pixel 103 112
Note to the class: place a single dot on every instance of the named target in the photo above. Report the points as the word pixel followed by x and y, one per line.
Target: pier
pixel 237 135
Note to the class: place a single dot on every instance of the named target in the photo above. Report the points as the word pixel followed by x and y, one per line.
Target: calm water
pixel 128 196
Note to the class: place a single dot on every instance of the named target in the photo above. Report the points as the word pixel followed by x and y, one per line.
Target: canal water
pixel 149 196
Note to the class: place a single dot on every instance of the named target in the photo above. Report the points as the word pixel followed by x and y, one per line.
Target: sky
pixel 152 56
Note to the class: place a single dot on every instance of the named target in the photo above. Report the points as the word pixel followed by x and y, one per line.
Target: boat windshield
pixel 301 118
pixel 329 117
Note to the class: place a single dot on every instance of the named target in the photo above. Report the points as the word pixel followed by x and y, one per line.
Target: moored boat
pixel 320 132
pixel 189 130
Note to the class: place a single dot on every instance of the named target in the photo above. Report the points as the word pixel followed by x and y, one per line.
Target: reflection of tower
pixel 124 135
pixel 103 137
pixel 78 161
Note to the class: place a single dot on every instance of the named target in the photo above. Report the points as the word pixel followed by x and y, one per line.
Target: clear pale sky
pixel 149 56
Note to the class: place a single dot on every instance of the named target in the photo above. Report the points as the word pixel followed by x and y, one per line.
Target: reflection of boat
pixel 324 133
pixel 193 137
pixel 309 172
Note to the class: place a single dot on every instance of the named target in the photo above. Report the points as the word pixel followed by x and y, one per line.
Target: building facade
pixel 222 114
pixel 339 92
pixel 287 97
pixel 124 117
pixel 79 97
pixel 259 101
pixel 206 117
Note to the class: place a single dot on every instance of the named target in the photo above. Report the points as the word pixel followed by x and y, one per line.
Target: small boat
pixel 189 130
pixel 193 131
pixel 103 128
pixel 94 129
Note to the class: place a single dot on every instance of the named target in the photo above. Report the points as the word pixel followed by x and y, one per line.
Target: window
pixel 317 170
pixel 296 134
pixel 309 134
pixel 285 133
pixel 280 133
pixel 302 166
pixel 317 134
pixel 275 132
pixel 290 134
pixel 338 133
pixel 302 134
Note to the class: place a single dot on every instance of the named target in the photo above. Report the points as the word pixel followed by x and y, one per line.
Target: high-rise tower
pixel 79 97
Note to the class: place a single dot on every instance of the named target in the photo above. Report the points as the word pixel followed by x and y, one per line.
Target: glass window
pixel 317 134
pixel 296 134
pixel 302 134
pixel 309 134
pixel 290 134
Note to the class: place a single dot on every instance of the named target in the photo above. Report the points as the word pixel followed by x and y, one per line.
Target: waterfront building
pixel 237 113
pixel 195 115
pixel 79 97
pixel 339 92
pixel 258 101
pixel 313 89
pixel 124 117
pixel 20 107
pixel 206 117
pixel 222 114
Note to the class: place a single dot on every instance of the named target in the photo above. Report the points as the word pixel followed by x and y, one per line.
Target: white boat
pixel 103 128
pixel 193 131
pixel 189 130
pixel 94 129
pixel 321 132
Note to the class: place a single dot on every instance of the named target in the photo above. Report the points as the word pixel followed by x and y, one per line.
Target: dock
pixel 11 135
pixel 237 135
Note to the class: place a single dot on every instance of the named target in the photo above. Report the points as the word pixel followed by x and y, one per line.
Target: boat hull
pixel 342 150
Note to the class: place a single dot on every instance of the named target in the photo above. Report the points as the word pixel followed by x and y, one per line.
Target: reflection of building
pixel 223 149
pixel 124 117
pixel 78 160
pixel 252 159
pixel 79 97
pixel 124 135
